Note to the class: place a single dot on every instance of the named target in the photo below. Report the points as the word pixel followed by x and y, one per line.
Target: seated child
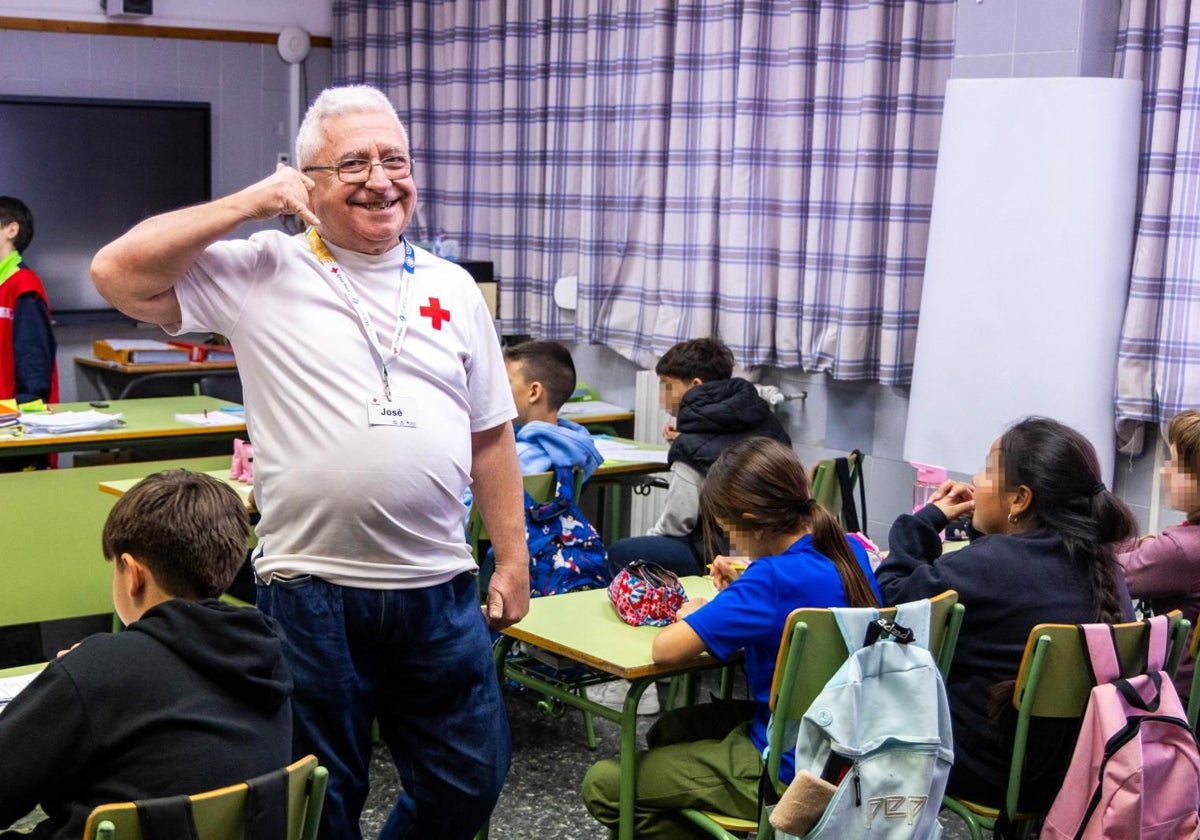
pixel 709 756
pixel 1165 569
pixel 193 695
pixel 712 410
pixel 1046 557
pixel 542 377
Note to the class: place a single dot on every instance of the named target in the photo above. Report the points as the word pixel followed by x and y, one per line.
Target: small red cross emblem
pixel 435 313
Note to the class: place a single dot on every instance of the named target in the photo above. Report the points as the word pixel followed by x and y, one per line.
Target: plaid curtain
pixel 1158 373
pixel 761 171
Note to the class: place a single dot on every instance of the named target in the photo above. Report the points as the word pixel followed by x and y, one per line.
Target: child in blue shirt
pixel 709 756
pixel 542 377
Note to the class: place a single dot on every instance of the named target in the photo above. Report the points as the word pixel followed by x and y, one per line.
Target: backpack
pixel 880 731
pixel 1135 771
pixel 565 552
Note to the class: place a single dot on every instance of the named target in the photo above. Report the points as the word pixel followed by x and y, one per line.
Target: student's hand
pixel 954 498
pixel 63 653
pixel 689 607
pixel 725 570
pixel 670 432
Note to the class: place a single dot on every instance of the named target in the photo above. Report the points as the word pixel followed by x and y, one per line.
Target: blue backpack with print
pixel 565 552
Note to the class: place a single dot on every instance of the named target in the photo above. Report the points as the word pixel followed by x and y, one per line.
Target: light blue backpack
pixel 880 731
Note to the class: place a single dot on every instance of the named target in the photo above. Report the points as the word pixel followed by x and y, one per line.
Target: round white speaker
pixel 293 44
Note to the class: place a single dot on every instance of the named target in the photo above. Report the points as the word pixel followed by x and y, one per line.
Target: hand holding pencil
pixel 725 570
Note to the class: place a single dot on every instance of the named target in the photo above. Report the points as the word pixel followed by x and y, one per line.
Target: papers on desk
pixel 586 407
pixel 619 450
pixel 10 687
pixel 214 418
pixel 64 422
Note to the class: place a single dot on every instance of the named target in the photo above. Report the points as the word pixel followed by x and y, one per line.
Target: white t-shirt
pixel 362 505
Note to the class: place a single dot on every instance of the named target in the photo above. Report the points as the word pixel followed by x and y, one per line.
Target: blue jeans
pixel 420 662
pixel 674 553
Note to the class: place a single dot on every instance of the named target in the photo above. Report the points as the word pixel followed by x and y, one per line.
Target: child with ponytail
pixel 1046 557
pixel 709 756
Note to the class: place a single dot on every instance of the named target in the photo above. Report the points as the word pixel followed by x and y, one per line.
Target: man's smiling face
pixel 367 217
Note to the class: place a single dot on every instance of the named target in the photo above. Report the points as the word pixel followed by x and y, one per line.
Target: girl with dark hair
pixel 794 554
pixel 1046 556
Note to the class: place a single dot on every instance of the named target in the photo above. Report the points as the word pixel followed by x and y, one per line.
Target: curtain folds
pixel 1158 372
pixel 761 171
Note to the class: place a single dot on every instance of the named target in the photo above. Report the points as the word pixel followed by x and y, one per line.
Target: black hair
pixel 706 359
pixel 14 210
pixel 549 363
pixel 1062 472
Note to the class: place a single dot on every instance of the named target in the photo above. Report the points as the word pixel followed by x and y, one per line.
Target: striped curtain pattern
pixel 1158 372
pixel 761 171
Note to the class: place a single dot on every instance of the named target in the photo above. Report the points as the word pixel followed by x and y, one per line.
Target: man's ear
pixel 1021 500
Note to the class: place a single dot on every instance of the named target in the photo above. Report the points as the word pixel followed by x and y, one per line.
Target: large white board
pixel 1028 264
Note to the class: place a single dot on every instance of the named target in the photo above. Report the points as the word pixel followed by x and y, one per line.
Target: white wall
pixel 315 16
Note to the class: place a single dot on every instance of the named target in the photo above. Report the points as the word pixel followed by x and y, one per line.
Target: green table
pixel 584 628
pixel 50 532
pixel 148 422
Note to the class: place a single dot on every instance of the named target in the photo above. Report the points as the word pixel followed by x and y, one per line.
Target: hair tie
pixel 807 505
pixel 1098 487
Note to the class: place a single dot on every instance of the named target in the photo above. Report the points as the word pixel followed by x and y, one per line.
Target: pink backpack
pixel 1135 772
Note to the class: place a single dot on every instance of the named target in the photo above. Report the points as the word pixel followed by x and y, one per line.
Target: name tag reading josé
pixel 400 411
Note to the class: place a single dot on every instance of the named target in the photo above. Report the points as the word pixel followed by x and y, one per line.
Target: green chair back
pixel 1053 681
pixel 825 487
pixel 221 814
pixel 810 652
pixel 813 650
pixel 539 486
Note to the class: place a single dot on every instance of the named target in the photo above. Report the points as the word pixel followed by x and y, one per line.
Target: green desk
pixel 121 486
pixel 148 422
pixel 115 379
pixel 614 475
pixel 584 628
pixel 50 533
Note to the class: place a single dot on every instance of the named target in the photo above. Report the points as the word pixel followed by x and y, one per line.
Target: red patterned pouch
pixel 646 593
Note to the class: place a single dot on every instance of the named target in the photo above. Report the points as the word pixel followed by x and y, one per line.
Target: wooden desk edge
pixel 153 367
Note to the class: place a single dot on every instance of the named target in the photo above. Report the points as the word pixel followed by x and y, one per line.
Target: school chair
pixel 835 492
pixel 811 651
pixel 1054 681
pixel 1193 704
pixel 258 809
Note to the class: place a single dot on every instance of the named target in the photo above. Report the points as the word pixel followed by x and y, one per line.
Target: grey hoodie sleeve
pixel 682 512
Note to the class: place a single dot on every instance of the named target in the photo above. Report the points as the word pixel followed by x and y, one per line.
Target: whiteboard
pixel 1027 268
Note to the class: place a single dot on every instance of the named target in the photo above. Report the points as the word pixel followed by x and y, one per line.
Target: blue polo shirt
pixel 750 614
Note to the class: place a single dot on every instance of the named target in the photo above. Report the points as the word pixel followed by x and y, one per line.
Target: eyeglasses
pixel 358 171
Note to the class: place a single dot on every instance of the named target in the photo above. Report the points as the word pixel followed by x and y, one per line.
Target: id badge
pixel 400 411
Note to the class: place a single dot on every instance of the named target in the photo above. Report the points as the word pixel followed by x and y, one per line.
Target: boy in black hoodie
pixel 193 695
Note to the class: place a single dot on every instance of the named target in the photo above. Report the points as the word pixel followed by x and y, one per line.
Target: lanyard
pixel 337 277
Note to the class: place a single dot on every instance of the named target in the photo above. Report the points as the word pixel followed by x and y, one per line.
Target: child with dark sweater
pixel 193 694
pixel 1165 569
pixel 713 410
pixel 1046 556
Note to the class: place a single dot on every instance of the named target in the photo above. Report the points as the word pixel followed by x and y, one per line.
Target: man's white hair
pixel 334 102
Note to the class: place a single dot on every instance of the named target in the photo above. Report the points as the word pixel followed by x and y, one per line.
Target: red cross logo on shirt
pixel 435 313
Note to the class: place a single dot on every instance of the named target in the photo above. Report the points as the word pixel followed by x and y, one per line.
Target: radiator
pixel 648 422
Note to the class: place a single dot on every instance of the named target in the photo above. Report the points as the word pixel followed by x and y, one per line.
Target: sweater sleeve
pixel 33 348
pixel 682 512
pixel 909 571
pixel 44 740
pixel 1159 567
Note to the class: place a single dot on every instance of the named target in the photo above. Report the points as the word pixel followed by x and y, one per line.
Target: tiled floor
pixel 541 800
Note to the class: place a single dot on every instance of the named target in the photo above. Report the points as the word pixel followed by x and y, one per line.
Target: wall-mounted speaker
pixel 127 8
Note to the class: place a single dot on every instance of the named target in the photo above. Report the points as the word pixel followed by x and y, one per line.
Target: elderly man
pixel 375 392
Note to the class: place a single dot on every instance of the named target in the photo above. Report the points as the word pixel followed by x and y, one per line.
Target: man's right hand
pixel 285 192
